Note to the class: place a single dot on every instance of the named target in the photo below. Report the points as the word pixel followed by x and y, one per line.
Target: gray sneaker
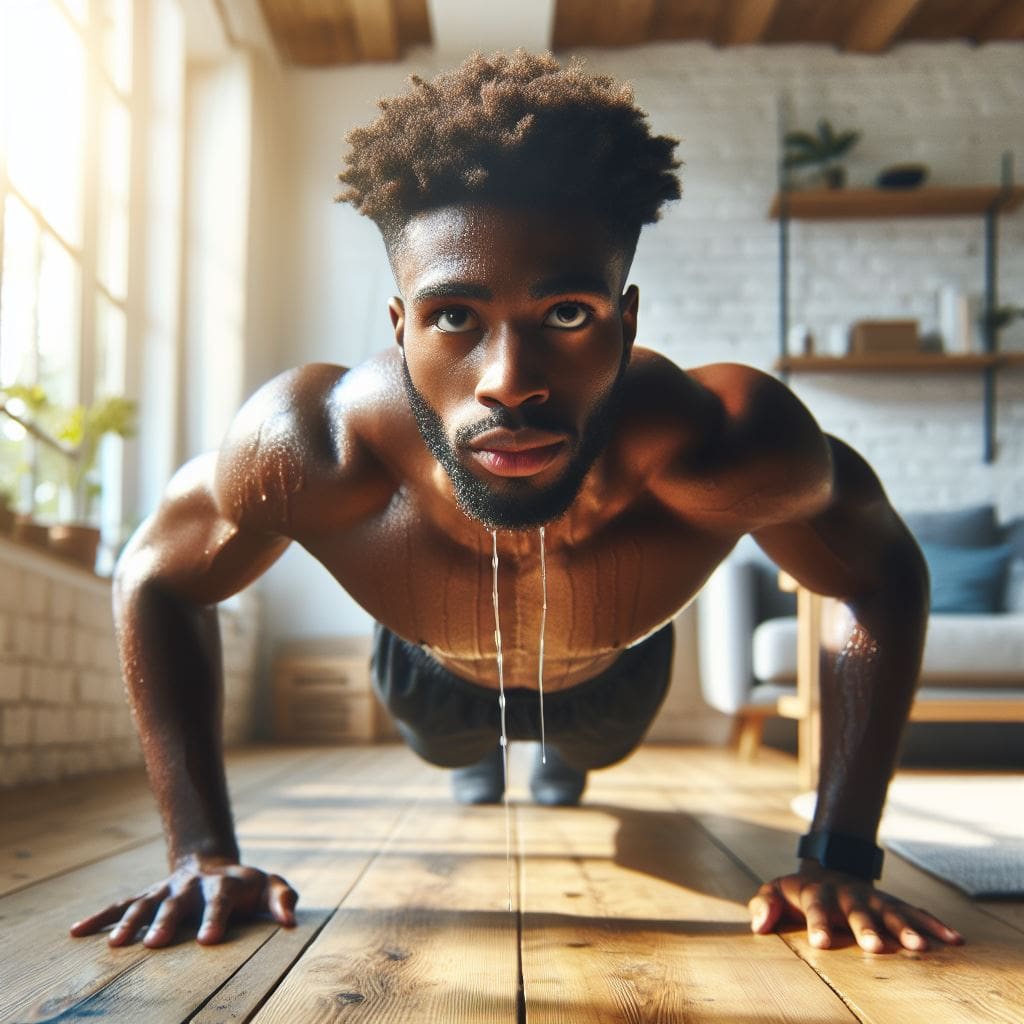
pixel 555 784
pixel 480 783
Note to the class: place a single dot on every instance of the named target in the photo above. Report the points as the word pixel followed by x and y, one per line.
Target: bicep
pixel 852 546
pixel 196 547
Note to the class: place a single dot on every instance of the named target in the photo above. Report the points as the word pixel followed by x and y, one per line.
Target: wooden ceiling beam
pixel 376 29
pixel 744 22
pixel 877 24
pixel 1005 22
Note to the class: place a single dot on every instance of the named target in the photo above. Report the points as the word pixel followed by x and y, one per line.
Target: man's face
pixel 515 336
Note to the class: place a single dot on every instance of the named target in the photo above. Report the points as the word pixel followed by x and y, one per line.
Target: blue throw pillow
pixel 967 580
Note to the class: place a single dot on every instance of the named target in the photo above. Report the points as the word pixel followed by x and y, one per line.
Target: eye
pixel 568 315
pixel 456 320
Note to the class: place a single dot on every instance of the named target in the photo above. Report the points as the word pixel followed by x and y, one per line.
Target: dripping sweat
pixel 501 683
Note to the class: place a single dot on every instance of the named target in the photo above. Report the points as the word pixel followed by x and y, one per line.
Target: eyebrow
pixel 572 281
pixel 561 284
pixel 453 290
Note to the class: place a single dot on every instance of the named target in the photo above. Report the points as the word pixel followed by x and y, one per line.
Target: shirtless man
pixel 510 194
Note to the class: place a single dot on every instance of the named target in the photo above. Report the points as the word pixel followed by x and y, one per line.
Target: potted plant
pixel 823 149
pixel 74 434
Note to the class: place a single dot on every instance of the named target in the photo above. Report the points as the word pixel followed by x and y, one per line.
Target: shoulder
pixel 742 449
pixel 298 435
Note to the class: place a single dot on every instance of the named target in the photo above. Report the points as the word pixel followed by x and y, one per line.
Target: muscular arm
pixel 816 507
pixel 857 550
pixel 224 520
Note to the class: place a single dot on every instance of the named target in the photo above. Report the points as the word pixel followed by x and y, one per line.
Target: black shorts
pixel 452 722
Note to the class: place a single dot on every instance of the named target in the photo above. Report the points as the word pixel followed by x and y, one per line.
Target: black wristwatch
pixel 841 852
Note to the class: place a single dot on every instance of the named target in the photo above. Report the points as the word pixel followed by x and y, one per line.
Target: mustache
pixel 500 418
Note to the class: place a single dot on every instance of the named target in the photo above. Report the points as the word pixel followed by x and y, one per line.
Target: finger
pixel 911 925
pixel 92 924
pixel 865 929
pixel 214 925
pixel 165 923
pixel 927 924
pixel 281 900
pixel 817 902
pixel 766 909
pixel 139 913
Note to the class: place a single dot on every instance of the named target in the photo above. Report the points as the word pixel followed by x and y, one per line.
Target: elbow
pixel 901 590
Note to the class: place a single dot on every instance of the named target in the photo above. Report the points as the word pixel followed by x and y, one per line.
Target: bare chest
pixel 603 590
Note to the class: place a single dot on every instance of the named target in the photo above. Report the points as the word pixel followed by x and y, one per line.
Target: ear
pixel 396 310
pixel 628 307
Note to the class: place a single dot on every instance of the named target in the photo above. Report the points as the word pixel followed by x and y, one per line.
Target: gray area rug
pixel 967 830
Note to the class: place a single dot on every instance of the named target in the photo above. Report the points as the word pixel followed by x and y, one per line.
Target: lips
pixel 517 453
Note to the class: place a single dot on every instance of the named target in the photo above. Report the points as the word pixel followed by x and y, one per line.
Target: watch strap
pixel 840 852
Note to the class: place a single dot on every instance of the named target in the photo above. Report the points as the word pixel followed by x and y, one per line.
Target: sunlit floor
pixel 628 908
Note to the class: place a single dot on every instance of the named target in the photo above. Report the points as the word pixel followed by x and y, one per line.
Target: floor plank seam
pixel 78 1006
pixel 157 832
pixel 112 851
pixel 698 818
pixel 520 887
pixel 328 917
pixel 825 981
pixel 198 1009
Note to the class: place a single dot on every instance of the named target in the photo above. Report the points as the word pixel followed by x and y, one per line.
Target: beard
pixel 516 504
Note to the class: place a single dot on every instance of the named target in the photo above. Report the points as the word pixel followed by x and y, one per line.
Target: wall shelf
pixel 987 202
pixel 870 203
pixel 908 362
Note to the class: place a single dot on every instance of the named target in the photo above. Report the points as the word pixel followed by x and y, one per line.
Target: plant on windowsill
pixel 73 433
pixel 821 149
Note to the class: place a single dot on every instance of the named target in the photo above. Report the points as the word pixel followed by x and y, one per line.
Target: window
pixel 66 79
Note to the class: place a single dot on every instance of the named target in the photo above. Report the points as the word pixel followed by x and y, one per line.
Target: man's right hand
pixel 208 889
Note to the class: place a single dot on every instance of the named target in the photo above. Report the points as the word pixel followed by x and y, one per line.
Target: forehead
pixel 506 248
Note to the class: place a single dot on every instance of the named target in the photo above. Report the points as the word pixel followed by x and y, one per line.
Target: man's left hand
pixel 832 902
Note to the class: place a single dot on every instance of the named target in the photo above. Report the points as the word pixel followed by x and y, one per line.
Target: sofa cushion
pixel 1013 535
pixel 983 649
pixel 987 650
pixel 973 527
pixel 967 580
pixel 774 650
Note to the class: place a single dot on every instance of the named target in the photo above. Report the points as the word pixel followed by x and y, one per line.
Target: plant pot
pixel 28 531
pixel 835 177
pixel 76 542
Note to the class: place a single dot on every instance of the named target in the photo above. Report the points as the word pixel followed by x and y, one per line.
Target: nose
pixel 512 375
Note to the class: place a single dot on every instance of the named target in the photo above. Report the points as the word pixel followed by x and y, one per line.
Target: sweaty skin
pixel 527 314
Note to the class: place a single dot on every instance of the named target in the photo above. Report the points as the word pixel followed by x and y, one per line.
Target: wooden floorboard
pixel 628 908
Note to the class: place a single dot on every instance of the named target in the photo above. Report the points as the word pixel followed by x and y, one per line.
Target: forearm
pixel 871 659
pixel 171 660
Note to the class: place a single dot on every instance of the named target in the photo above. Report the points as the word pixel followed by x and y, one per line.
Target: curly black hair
pixel 511 129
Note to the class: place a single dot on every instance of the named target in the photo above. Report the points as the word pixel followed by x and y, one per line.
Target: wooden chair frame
pixel 805 705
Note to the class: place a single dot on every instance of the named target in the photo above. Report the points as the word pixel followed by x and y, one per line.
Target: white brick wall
pixel 709 273
pixel 62 704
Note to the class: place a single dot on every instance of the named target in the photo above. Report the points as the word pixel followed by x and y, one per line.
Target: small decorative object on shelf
pixel 874 337
pixel 902 176
pixel 822 149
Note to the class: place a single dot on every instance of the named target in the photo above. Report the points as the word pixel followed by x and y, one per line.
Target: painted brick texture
pixel 62 704
pixel 708 272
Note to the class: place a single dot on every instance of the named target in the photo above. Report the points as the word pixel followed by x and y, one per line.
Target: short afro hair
pixel 513 130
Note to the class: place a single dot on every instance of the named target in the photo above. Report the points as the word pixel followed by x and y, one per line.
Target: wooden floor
pixel 629 908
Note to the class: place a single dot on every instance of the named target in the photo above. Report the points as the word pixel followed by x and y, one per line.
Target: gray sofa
pixel 973 667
